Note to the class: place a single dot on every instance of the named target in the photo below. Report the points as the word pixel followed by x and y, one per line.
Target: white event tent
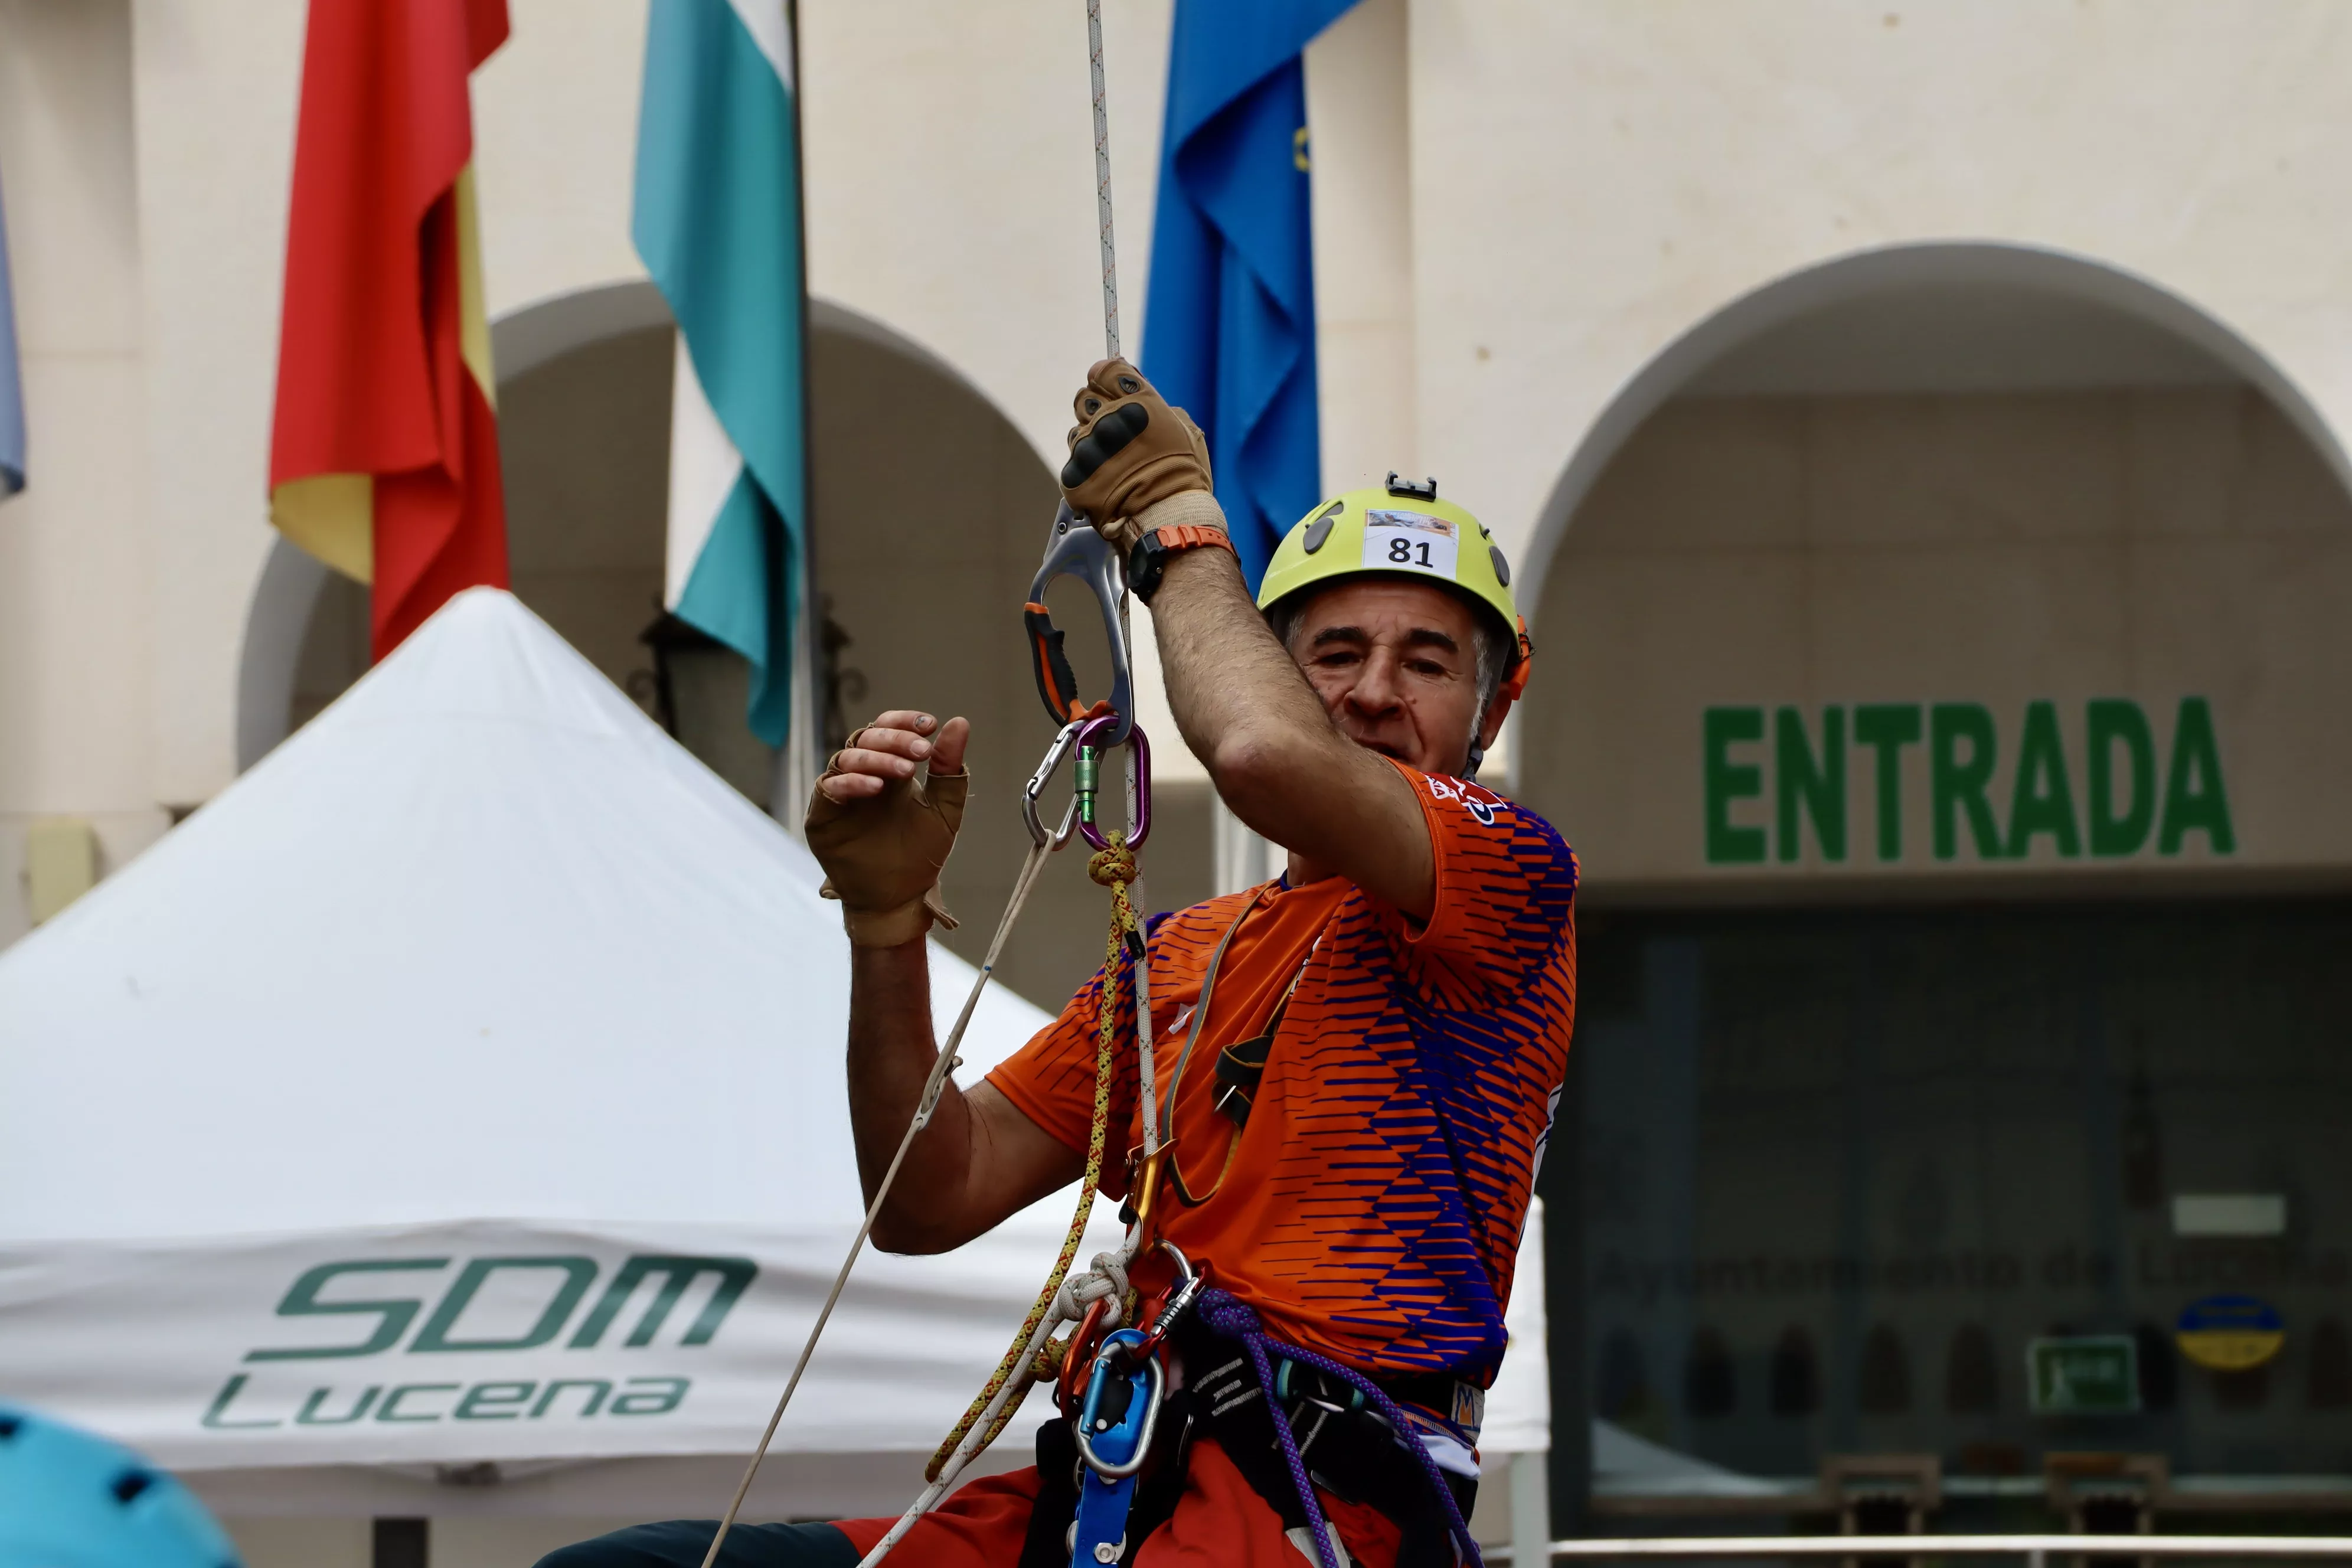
pixel 458 1100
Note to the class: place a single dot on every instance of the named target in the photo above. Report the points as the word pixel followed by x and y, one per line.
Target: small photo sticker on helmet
pixel 1410 542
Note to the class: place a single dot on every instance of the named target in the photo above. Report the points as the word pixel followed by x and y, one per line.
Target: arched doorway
pixel 919 570
pixel 1932 644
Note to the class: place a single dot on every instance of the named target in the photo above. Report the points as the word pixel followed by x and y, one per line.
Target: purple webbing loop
pixel 1226 1315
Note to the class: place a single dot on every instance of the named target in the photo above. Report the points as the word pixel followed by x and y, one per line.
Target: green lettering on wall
pixel 578 1273
pixel 1956 786
pixel 393 1316
pixel 1800 783
pixel 2110 722
pixel 1725 781
pixel 2042 800
pixel 1886 728
pixel 2194 798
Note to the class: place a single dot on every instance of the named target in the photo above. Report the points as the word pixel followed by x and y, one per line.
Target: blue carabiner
pixel 1113 1445
pixel 1075 549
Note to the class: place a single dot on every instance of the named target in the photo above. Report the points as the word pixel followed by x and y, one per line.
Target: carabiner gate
pixel 1075 549
pixel 1039 834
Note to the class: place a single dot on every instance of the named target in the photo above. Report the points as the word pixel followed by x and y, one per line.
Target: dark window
pixel 1622 1392
pixel 2160 1368
pixel 1884 1386
pixel 1971 1385
pixel 1796 1373
pixel 2331 1366
pixel 1710 1382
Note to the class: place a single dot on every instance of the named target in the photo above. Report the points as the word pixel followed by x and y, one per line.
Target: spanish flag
pixel 383 460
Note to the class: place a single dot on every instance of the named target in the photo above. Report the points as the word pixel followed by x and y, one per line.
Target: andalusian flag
pixel 384 459
pixel 717 222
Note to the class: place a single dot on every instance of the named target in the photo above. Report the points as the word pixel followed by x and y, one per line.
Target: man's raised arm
pixel 1245 710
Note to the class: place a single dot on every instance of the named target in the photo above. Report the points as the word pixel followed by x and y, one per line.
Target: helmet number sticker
pixel 1410 542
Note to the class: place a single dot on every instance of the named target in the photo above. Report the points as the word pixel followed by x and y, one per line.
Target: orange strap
pixel 1187 535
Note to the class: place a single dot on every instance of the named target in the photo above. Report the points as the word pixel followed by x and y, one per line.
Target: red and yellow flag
pixel 383 461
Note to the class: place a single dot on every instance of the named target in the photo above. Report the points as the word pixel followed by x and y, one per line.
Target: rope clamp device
pixel 1074 549
pixel 1114 1433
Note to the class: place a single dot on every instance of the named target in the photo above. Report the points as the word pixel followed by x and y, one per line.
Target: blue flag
pixel 1230 325
pixel 12 389
pixel 718 221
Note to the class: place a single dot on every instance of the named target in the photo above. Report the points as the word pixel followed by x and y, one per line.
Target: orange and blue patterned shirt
pixel 1372 1205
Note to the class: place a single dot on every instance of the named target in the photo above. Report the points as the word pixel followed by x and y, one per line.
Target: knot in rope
pixel 1105 1280
pixel 1114 865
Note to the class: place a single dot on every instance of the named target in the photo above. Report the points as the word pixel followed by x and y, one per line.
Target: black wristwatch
pixel 1147 562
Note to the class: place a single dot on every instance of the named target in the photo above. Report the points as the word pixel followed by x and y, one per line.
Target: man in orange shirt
pixel 1358 1062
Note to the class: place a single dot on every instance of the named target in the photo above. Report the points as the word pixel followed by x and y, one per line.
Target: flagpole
pixel 802 758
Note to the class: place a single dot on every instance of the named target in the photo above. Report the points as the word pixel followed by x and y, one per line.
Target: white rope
pixel 933 1088
pixel 1102 182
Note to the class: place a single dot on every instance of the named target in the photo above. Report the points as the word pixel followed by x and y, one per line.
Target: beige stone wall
pixel 77 568
pixel 1992 549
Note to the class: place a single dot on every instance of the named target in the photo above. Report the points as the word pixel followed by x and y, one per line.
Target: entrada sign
pixel 554 1288
pixel 2124 805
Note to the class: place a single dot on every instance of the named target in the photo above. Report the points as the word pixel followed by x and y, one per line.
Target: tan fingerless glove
pixel 882 854
pixel 1128 451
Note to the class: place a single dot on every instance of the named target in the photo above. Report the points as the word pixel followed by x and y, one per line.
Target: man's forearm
pixel 1236 693
pixel 891 1052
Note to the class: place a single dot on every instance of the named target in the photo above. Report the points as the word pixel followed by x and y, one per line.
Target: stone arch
pixel 920 561
pixel 1888 271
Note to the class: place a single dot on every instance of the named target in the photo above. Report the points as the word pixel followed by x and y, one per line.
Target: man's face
pixel 1396 664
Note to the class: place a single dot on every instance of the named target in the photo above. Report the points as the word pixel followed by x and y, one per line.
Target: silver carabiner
pixel 1044 837
pixel 1074 549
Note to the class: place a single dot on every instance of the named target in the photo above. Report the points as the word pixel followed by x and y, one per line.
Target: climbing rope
pixel 1114 868
pixel 1102 180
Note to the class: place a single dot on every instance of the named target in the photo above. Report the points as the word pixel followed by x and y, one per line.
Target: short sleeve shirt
pixel 1371 1206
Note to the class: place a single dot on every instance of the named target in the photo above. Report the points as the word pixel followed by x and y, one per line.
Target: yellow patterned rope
pixel 1113 867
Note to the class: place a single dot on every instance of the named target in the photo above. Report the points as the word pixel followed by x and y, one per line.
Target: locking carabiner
pixel 1075 549
pixel 1091 746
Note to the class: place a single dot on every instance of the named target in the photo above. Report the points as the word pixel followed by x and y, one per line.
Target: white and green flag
pixel 717 222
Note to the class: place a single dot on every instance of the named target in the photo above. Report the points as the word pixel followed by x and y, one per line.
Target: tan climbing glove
pixel 882 853
pixel 1129 450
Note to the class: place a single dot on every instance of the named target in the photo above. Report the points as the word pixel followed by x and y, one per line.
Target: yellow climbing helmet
pixel 1400 530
